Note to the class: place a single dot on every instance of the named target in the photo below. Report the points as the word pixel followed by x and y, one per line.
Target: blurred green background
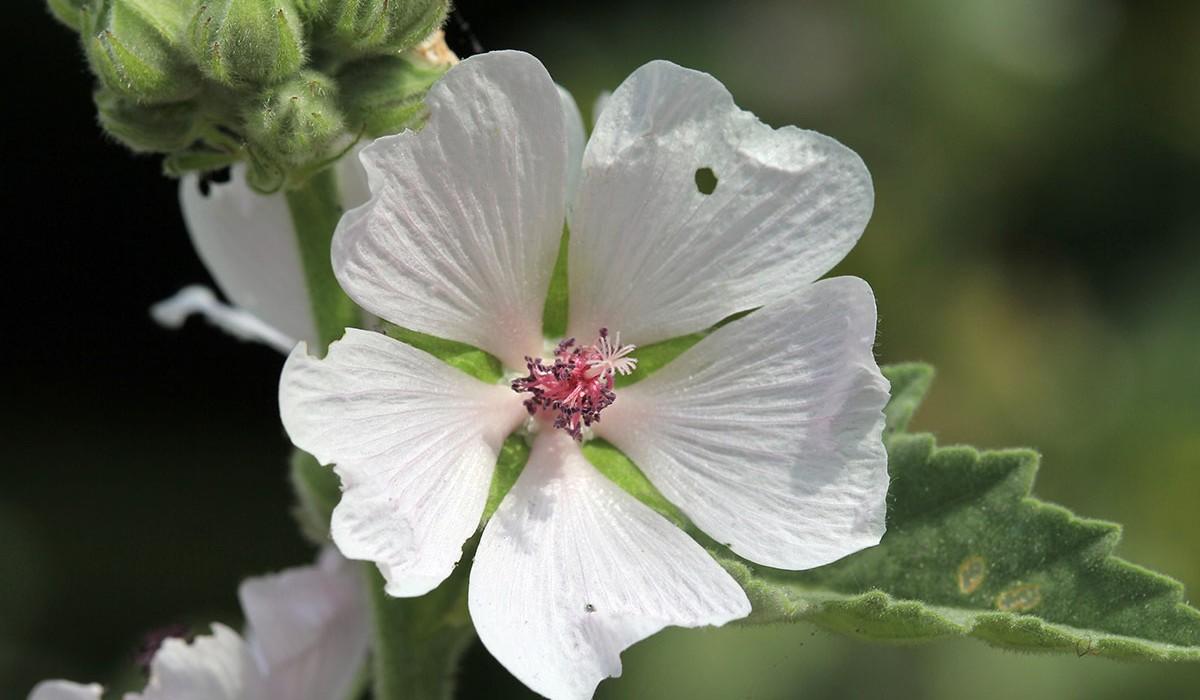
pixel 1036 237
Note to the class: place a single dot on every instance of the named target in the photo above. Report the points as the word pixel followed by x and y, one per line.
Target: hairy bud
pixel 131 46
pixel 146 128
pixel 247 42
pixel 382 27
pixel 296 122
pixel 385 95
pixel 69 12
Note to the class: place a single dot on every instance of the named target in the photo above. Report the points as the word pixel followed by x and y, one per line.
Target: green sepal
pixel 385 95
pixel 479 364
pixel 246 43
pixel 69 12
pixel 379 27
pixel 317 492
pixel 297 122
pixel 132 46
pixel 146 128
pixel 969 552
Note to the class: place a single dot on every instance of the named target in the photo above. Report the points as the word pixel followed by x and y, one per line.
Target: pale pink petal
pixel 767 433
pixel 415 442
pixel 211 667
pixel 309 628
pixel 65 690
pixel 571 571
pixel 460 235
pixel 653 257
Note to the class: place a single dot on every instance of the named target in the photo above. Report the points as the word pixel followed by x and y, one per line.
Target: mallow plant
pixel 558 391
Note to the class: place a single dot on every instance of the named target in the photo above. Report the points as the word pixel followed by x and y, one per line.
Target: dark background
pixel 1037 237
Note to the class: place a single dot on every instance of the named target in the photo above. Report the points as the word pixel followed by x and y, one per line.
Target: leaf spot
pixel 971 573
pixel 1019 598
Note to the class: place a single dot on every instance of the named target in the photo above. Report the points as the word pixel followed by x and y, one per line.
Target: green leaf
pixel 969 552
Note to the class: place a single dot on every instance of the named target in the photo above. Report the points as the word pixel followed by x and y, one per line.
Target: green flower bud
pixel 69 12
pixel 131 46
pixel 311 9
pixel 247 42
pixel 382 26
pixel 385 95
pixel 295 123
pixel 147 128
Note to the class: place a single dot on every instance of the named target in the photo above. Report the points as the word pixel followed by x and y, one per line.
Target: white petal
pixel 197 299
pixel 216 667
pixel 465 217
pixel 415 443
pixel 352 178
pixel 65 690
pixel 309 627
pixel 571 570
pixel 599 105
pixel 247 242
pixel 767 433
pixel 653 257
pixel 576 140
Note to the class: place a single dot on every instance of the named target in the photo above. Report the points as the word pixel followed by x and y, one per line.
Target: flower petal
pixel 767 433
pixel 571 570
pixel 415 442
pixel 173 311
pixel 65 690
pixel 576 140
pixel 247 242
pixel 309 627
pixel 216 667
pixel 654 257
pixel 465 217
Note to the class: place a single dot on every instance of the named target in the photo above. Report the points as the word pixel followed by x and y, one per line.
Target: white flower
pixel 306 639
pixel 248 243
pixel 767 433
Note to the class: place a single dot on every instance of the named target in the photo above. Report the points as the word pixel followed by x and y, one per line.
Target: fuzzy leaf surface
pixel 969 552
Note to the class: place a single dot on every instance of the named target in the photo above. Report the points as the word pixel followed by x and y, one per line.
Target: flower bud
pixel 69 12
pixel 132 46
pixel 247 42
pixel 296 122
pixel 382 26
pixel 384 95
pixel 147 128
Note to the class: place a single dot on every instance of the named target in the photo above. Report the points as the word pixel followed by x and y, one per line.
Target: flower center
pixel 578 384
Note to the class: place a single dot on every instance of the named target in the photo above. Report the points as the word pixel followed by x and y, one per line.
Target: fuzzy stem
pixel 416 642
pixel 315 209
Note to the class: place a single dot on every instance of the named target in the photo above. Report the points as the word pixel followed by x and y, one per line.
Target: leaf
pixel 969 552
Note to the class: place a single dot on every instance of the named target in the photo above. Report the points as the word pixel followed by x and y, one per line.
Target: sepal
pixel 385 95
pixel 132 47
pixel 146 128
pixel 69 12
pixel 381 27
pixel 241 43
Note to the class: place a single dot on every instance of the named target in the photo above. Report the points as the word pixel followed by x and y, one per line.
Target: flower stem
pixel 315 209
pixel 416 642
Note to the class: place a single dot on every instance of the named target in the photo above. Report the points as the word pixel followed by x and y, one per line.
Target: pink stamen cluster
pixel 579 384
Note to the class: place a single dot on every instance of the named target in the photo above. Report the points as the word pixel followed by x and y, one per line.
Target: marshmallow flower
pixel 307 636
pixel 766 433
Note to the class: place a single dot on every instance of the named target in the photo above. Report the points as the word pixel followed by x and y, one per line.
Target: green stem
pixel 315 209
pixel 416 642
pixel 419 641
